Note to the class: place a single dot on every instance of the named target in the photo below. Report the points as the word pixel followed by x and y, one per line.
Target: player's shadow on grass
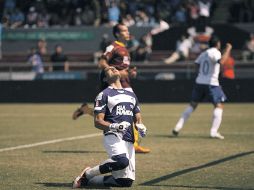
pixel 72 151
pixel 202 187
pixel 67 185
pixel 154 182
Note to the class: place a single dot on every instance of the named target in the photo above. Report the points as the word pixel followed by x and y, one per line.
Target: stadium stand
pixel 142 16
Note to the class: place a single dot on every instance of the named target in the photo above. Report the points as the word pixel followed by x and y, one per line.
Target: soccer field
pixel 41 147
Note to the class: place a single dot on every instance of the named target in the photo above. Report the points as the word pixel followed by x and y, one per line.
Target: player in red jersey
pixel 118 56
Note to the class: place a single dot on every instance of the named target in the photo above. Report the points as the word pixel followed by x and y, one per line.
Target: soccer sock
pixel 217 117
pixel 96 181
pixel 183 118
pixel 136 136
pixel 109 181
pixel 90 173
pixel 107 166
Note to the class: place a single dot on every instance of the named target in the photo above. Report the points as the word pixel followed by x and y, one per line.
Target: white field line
pixel 34 115
pixel 50 142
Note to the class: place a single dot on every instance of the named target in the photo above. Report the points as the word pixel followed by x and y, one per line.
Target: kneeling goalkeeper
pixel 115 110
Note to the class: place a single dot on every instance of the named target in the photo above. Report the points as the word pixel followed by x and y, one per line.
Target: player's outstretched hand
pixel 229 46
pixel 141 129
pixel 119 127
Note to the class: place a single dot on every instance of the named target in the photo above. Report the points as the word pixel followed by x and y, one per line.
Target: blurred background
pixel 49 49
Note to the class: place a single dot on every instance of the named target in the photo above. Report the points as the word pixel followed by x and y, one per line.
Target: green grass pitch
pixel 190 161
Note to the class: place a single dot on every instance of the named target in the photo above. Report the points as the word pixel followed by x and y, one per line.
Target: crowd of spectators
pixel 241 11
pixel 58 59
pixel 248 49
pixel 155 13
pixel 48 13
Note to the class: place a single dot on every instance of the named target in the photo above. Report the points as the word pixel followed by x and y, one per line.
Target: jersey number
pixel 205 67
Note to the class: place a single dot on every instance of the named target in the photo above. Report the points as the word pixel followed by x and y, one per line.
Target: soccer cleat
pixel 81 180
pixel 217 136
pixel 140 149
pixel 80 111
pixel 175 133
pixel 77 182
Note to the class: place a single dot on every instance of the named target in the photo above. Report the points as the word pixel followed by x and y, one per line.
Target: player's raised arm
pixel 103 63
pixel 124 73
pixel 226 53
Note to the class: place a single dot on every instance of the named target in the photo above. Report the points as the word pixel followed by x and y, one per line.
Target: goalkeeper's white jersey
pixel 209 67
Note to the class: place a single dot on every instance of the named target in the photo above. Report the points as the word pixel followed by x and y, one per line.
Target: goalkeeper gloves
pixel 119 127
pixel 141 129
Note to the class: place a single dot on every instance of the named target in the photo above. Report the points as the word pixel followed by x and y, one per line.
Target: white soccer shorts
pixel 114 145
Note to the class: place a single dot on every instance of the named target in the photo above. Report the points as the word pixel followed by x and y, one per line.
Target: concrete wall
pixel 241 90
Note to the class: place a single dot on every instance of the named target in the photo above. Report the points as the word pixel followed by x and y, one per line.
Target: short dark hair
pixel 57 45
pixel 214 41
pixel 116 29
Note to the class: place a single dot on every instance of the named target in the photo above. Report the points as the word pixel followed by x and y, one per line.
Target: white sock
pixel 93 172
pixel 96 181
pixel 217 117
pixel 183 118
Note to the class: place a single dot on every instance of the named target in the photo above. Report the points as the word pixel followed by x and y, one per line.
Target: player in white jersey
pixel 207 86
pixel 115 110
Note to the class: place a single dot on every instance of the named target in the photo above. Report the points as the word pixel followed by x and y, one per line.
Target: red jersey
pixel 228 68
pixel 118 56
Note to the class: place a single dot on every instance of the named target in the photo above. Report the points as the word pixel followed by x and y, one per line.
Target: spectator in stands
pixel 241 11
pixel 94 12
pixel 31 18
pixel 42 47
pixel 234 10
pixel 88 16
pixel 248 53
pixel 132 46
pixel 43 19
pixel 182 50
pixel 97 12
pixel 128 20
pixel 145 48
pixel 77 18
pixel 113 14
pixel 204 12
pixel 16 18
pixel 35 60
pixel 9 5
pixel 193 12
pixel 180 15
pixel 59 60
pixel 246 11
pixel 142 18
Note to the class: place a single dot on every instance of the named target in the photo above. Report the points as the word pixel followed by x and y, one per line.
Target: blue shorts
pixel 214 94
